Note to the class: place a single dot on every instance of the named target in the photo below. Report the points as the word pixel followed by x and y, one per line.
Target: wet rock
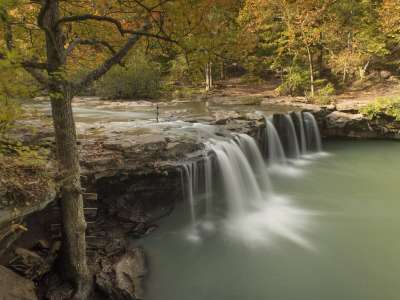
pixel 254 116
pixel 122 279
pixel 223 117
pixel 13 286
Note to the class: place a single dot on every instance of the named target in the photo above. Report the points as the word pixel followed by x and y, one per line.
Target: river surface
pixel 331 231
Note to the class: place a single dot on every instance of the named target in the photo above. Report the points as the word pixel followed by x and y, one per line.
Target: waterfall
pixel 303 143
pixel 242 174
pixel 249 146
pixel 241 187
pixel 208 183
pixel 235 163
pixel 276 154
pixel 313 134
pixel 189 171
pixel 293 144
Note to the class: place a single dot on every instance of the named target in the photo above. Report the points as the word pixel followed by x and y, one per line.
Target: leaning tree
pixel 50 39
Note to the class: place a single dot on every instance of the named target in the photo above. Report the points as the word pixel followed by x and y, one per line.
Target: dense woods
pixel 312 47
pixel 147 49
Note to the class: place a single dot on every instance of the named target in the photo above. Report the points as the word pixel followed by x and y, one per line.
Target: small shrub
pixel 324 94
pixel 296 82
pixel 138 79
pixel 387 105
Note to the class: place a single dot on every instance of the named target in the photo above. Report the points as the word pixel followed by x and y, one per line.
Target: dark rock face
pixel 139 198
pixel 13 286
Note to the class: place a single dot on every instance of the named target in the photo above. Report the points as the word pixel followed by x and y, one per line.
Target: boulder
pixel 122 279
pixel 13 286
pixel 341 124
pixel 339 119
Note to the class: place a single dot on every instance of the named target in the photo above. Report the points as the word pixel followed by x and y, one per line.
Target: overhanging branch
pixel 113 60
pixel 90 42
pixel 117 23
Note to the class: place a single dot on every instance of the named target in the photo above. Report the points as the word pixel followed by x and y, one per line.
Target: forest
pixel 120 118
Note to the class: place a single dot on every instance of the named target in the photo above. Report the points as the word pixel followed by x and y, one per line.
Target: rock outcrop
pixel 13 286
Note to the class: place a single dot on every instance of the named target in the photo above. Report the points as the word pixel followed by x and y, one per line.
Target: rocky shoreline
pixel 132 178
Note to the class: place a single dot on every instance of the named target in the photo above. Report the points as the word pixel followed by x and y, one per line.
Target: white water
pixel 252 152
pixel 235 166
pixel 241 188
pixel 303 144
pixel 276 154
pixel 208 186
pixel 313 131
pixel 294 148
pixel 189 171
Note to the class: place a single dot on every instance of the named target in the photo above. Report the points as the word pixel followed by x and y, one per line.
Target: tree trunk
pixel 321 54
pixel 61 94
pixel 74 225
pixel 207 72
pixel 310 62
pixel 210 74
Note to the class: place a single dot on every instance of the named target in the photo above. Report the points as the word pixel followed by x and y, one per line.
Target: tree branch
pixel 91 42
pixel 113 60
pixel 87 17
pixel 117 24
pixel 34 65
pixel 39 76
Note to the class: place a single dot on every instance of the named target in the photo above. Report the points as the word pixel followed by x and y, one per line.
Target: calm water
pixel 331 232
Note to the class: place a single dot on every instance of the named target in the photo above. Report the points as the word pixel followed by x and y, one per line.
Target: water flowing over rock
pixel 273 145
pixel 314 142
pixel 239 170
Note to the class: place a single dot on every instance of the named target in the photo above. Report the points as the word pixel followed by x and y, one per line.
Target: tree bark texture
pixel 61 94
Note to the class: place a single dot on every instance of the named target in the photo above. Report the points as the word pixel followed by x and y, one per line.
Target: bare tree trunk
pixel 210 75
pixel 74 225
pixel 321 53
pixel 310 63
pixel 363 70
pixel 222 70
pixel 208 79
pixel 61 94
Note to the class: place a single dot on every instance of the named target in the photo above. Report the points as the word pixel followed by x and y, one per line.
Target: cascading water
pixel 253 154
pixel 303 143
pixel 276 154
pixel 234 165
pixel 208 186
pixel 313 135
pixel 189 169
pixel 239 181
pixel 293 143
